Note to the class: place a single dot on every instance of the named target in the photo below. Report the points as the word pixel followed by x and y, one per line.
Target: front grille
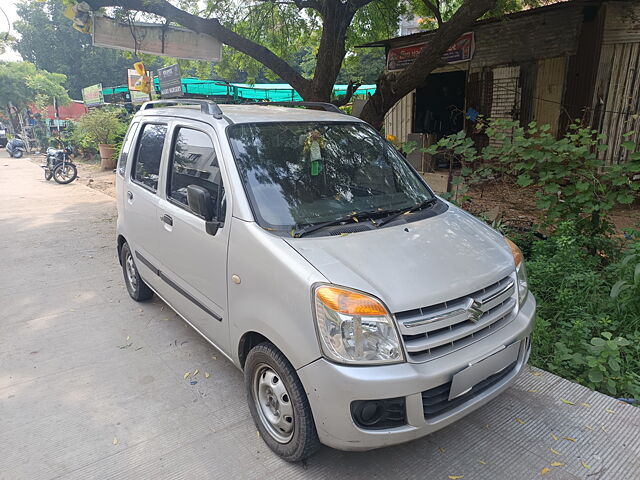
pixel 437 330
pixel 436 400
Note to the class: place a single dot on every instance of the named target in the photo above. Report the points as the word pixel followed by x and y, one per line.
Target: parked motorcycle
pixel 16 147
pixel 59 166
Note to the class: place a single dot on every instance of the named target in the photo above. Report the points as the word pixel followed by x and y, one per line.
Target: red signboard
pixel 461 51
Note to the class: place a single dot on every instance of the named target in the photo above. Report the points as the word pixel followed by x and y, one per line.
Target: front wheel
pixel 65 173
pixel 47 174
pixel 278 404
pixel 17 154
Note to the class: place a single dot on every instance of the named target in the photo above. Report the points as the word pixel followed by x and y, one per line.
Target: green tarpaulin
pixel 275 92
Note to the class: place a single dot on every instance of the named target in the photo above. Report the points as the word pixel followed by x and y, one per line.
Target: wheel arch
pixel 248 341
pixel 121 241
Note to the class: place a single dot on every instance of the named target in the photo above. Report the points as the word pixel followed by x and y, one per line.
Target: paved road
pixel 91 384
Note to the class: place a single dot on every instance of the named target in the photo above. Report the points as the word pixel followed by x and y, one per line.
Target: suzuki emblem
pixel 474 311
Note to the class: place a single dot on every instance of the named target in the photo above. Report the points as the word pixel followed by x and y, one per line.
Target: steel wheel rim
pixel 131 272
pixel 64 172
pixel 273 403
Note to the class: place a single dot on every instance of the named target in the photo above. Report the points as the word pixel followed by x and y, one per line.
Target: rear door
pixel 142 226
pixel 194 262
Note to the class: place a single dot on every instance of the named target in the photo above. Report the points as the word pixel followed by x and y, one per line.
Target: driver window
pixel 194 162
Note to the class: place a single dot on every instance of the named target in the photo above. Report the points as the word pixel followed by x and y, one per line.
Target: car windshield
pixel 307 173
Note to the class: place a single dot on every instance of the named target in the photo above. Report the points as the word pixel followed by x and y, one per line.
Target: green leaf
pixel 613 364
pixel 625 198
pixel 636 275
pixel 623 342
pixel 595 375
pixel 629 145
pixel 524 180
pixel 582 186
pixel 616 289
pixel 628 258
pixel 597 342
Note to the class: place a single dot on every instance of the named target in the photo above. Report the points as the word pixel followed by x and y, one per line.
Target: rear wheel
pixel 278 404
pixel 17 154
pixel 138 290
pixel 47 174
pixel 65 173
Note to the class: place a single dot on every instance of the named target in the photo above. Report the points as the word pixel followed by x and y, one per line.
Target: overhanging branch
pixel 213 27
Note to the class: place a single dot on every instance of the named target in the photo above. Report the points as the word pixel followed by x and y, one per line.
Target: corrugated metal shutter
pixel 399 120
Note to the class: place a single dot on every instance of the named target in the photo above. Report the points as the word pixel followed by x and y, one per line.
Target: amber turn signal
pixel 515 251
pixel 350 303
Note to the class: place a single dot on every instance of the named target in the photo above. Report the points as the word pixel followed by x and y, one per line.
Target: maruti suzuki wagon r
pixel 363 309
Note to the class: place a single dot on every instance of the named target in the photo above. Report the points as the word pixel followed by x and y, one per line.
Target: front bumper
pixel 331 388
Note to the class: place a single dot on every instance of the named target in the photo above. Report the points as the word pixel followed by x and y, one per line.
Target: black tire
pixel 138 290
pixel 304 437
pixel 64 174
pixel 47 174
pixel 17 154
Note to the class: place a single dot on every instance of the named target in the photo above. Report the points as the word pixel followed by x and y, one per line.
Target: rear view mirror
pixel 199 200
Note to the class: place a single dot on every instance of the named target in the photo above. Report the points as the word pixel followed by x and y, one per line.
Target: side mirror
pixel 199 200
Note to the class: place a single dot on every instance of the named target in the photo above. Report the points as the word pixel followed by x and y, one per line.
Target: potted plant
pixel 102 127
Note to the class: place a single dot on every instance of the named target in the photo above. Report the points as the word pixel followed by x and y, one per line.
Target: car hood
pixel 414 264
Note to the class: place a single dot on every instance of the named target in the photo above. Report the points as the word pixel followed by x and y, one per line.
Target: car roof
pixel 251 113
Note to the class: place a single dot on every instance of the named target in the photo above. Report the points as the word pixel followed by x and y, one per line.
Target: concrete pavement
pixel 91 383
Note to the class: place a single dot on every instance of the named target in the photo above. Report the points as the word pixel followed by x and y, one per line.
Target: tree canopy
pixel 21 83
pixel 272 32
pixel 306 43
pixel 49 41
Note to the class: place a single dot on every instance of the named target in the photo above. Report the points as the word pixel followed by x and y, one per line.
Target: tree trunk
pixel 336 18
pixel 392 86
pixel 12 119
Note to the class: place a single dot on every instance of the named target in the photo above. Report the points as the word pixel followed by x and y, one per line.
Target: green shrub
pixel 572 182
pixel 102 126
pixel 586 282
pixel 583 332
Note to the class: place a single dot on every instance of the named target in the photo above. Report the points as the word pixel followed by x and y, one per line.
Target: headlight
pixel 355 328
pixel 521 272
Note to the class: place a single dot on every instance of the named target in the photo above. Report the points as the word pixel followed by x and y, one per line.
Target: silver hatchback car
pixel 364 310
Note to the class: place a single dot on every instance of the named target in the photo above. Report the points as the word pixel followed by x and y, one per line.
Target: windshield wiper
pixel 353 218
pixel 404 211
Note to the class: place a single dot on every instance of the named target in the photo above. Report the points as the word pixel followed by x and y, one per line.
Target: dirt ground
pixel 516 206
pixel 90 174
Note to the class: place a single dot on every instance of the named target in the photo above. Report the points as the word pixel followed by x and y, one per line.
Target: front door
pixel 195 262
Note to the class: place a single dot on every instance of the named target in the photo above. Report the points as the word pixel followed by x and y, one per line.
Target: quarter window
pixel 194 162
pixel 126 147
pixel 147 167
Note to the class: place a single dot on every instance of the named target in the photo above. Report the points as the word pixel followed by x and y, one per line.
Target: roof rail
pixel 327 107
pixel 206 106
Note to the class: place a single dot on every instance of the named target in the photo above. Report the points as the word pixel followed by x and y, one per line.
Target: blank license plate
pixel 464 380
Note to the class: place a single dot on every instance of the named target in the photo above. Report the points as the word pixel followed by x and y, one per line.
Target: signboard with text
pixel 461 51
pixel 170 81
pixel 137 82
pixel 155 38
pixel 92 95
pixel 138 98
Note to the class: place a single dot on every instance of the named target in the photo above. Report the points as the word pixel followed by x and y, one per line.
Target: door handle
pixel 167 219
pixel 130 195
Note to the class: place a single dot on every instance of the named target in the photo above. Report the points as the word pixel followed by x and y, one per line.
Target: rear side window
pixel 194 162
pixel 147 166
pixel 126 148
